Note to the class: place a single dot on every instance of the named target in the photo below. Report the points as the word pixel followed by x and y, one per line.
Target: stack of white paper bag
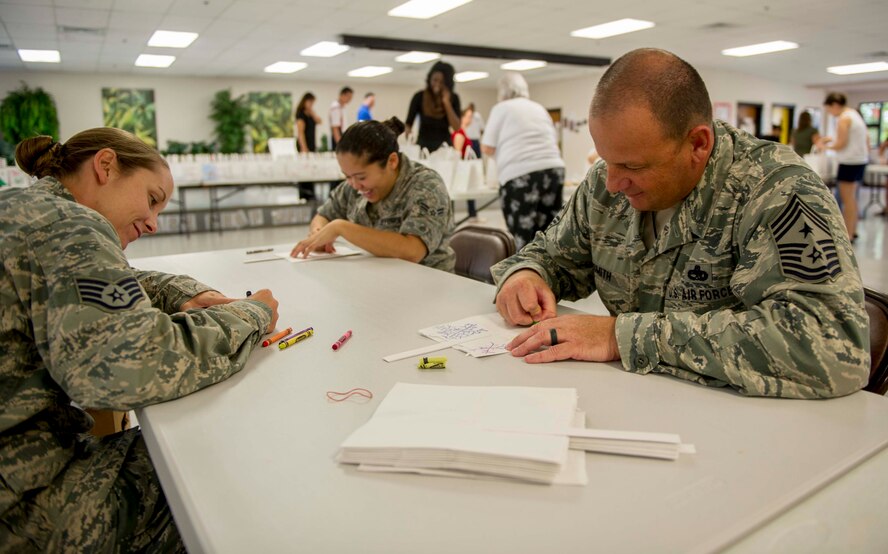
pixel 523 433
pixel 493 431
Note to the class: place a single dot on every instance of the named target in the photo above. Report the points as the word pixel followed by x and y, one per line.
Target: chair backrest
pixel 477 248
pixel 877 308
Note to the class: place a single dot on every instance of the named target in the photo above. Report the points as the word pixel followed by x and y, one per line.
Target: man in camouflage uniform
pixel 78 323
pixel 721 258
pixel 417 206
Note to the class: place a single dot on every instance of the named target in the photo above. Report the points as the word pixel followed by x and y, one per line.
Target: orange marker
pixel 277 337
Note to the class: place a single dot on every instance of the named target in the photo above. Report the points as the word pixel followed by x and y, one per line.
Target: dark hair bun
pixel 395 125
pixel 36 156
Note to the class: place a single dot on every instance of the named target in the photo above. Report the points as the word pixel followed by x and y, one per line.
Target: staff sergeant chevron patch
pixel 805 243
pixel 108 296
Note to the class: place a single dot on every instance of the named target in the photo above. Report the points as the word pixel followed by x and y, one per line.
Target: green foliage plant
pixel 132 110
pixel 230 116
pixel 27 112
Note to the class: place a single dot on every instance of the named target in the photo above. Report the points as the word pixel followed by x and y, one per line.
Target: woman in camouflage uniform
pixel 77 323
pixel 391 207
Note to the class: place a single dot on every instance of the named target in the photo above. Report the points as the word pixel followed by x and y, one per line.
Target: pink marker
pixel 338 344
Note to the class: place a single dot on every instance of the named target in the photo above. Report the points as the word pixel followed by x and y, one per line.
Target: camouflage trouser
pixel 530 202
pixel 107 501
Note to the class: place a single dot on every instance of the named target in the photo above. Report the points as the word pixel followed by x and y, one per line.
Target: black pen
pixel 260 251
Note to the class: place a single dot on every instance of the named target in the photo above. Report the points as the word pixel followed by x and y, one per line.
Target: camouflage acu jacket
pixel 418 205
pixel 78 323
pixel 752 283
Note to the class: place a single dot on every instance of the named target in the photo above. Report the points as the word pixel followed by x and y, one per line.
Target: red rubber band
pixel 342 396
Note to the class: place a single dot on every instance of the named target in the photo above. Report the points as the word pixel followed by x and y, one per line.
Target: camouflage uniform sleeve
pixel 804 330
pixel 168 292
pixel 428 215
pixel 106 345
pixel 561 253
pixel 336 206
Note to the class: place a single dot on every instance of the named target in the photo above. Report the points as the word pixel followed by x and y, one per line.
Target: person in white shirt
pixel 337 116
pixel 521 135
pixel 851 144
pixel 475 129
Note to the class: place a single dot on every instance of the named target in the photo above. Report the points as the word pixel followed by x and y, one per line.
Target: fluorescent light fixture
pixel 43 56
pixel 523 65
pixel 369 71
pixel 466 76
pixel 285 67
pixel 171 39
pixel 417 57
pixel 763 48
pixel 425 9
pixel 852 69
pixel 153 60
pixel 324 49
pixel 613 28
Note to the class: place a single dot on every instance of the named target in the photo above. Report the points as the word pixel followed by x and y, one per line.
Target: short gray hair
pixel 512 85
pixel 661 81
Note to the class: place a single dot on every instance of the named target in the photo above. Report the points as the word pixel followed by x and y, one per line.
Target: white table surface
pixel 248 464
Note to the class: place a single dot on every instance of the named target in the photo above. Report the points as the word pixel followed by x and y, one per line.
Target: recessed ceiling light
pixel 153 60
pixel 285 67
pixel 417 57
pixel 613 28
pixel 466 76
pixel 171 39
pixel 324 49
pixel 369 71
pixel 425 9
pixel 43 56
pixel 523 65
pixel 763 48
pixel 858 68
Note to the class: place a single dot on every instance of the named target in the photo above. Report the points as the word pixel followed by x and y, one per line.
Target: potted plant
pixel 26 112
pixel 230 115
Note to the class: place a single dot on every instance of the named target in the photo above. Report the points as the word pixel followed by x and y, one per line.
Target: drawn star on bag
pixel 805 243
pixel 109 296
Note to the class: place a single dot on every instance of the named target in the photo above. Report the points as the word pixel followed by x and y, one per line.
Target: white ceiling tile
pixel 149 6
pixel 120 20
pixel 21 13
pixel 85 4
pixel 185 23
pixel 71 17
pixel 198 8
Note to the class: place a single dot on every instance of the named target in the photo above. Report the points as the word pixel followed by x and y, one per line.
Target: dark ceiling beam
pixel 399 45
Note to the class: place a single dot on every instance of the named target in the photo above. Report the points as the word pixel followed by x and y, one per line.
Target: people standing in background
pixel 437 106
pixel 804 136
pixel 475 129
pixel 521 135
pixel 365 107
pixel 461 142
pixel 851 144
pixel 337 116
pixel 306 120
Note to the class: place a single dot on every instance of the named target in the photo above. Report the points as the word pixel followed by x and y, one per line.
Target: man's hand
pixel 319 240
pixel 269 300
pixel 591 338
pixel 525 298
pixel 205 300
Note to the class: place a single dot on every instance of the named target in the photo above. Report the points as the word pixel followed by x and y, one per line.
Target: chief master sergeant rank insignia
pixel 805 243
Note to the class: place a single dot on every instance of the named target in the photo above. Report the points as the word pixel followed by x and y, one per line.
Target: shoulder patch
pixel 108 296
pixel 805 243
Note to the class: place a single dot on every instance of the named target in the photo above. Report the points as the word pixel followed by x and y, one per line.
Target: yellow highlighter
pixel 293 340
pixel 428 362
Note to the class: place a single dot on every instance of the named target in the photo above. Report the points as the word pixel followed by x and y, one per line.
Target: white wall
pixel 574 95
pixel 183 104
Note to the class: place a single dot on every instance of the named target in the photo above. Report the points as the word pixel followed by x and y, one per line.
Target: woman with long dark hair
pixel 437 106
